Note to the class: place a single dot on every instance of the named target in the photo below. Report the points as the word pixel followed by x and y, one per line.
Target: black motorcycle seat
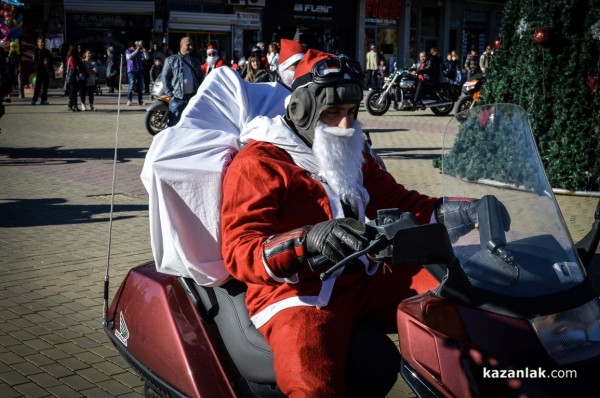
pixel 246 346
pixel 373 360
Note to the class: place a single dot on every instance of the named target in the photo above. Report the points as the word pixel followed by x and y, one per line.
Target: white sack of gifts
pixel 184 167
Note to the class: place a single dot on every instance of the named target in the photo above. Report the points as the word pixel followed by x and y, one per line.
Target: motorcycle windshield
pixel 490 150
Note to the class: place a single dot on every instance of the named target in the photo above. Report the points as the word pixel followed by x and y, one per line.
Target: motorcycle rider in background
pixel 181 77
pixel 428 74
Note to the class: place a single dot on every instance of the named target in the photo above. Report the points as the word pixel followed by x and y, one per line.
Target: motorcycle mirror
pixel 424 244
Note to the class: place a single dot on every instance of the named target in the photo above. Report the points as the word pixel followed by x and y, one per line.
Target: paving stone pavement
pixel 56 174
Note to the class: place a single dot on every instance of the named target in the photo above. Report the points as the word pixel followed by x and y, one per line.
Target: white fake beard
pixel 287 77
pixel 339 154
pixel 211 60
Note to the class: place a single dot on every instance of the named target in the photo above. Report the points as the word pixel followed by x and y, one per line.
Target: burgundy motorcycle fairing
pixel 450 348
pixel 158 330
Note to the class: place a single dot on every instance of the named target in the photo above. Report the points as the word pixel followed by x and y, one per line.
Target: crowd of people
pixel 83 71
pixel 183 72
pixel 449 70
pixel 430 70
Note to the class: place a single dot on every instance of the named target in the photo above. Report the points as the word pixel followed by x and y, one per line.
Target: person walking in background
pixel 16 75
pixel 42 61
pixel 255 73
pixel 181 77
pixel 254 52
pixel 156 69
pixel 6 84
pixel 72 69
pixel 273 56
pixel 135 55
pixel 450 68
pixel 456 64
pixel 89 86
pixel 371 68
pixel 147 61
pixel 213 61
pixel 155 52
pixel 167 52
pixel 484 60
pixel 112 70
pixel 262 53
pixel 472 64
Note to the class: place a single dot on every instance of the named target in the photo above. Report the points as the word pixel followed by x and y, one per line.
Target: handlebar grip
pixel 317 261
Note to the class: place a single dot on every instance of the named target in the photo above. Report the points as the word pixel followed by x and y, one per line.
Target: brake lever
pixel 375 244
pixel 387 225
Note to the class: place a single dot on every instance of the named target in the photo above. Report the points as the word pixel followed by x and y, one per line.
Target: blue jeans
pixel 176 106
pixel 136 78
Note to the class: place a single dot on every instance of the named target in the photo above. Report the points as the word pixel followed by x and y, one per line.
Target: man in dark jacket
pixel 428 73
pixel 5 80
pixel 181 76
pixel 42 62
pixel 112 68
pixel 471 64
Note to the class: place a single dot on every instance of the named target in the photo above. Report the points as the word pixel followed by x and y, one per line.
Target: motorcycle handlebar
pixel 387 224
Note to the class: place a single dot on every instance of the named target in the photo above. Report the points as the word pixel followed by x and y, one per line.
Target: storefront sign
pixel 85 20
pixel 383 9
pixel 313 12
pixel 340 14
pixel 248 19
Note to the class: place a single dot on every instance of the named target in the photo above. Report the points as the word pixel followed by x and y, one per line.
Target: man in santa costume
pixel 289 56
pixel 302 186
pixel 213 61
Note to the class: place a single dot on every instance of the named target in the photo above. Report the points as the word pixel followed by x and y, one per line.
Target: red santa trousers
pixel 310 345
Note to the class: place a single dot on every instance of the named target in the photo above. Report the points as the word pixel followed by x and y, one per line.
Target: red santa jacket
pixel 265 194
pixel 218 63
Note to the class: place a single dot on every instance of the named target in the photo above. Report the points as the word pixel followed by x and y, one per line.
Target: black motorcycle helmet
pixel 256 51
pixel 322 81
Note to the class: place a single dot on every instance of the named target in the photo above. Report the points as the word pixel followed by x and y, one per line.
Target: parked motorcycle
pixel 401 87
pixel 510 305
pixel 157 114
pixel 471 92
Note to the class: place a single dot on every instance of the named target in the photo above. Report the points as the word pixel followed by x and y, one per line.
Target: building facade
pixel 401 29
pixel 398 28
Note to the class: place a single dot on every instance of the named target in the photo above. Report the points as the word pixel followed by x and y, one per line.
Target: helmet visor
pixel 335 70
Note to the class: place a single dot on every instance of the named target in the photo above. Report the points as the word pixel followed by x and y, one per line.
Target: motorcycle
pixel 517 315
pixel 510 306
pixel 401 87
pixel 471 91
pixel 157 114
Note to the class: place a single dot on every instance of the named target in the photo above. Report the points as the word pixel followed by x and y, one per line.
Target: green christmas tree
pixel 548 62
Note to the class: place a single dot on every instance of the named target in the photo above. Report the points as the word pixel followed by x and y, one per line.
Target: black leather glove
pixel 339 238
pixel 460 215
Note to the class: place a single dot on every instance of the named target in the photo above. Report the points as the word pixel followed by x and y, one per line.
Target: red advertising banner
pixel 383 9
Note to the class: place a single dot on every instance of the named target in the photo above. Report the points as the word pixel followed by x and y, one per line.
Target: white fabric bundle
pixel 184 168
